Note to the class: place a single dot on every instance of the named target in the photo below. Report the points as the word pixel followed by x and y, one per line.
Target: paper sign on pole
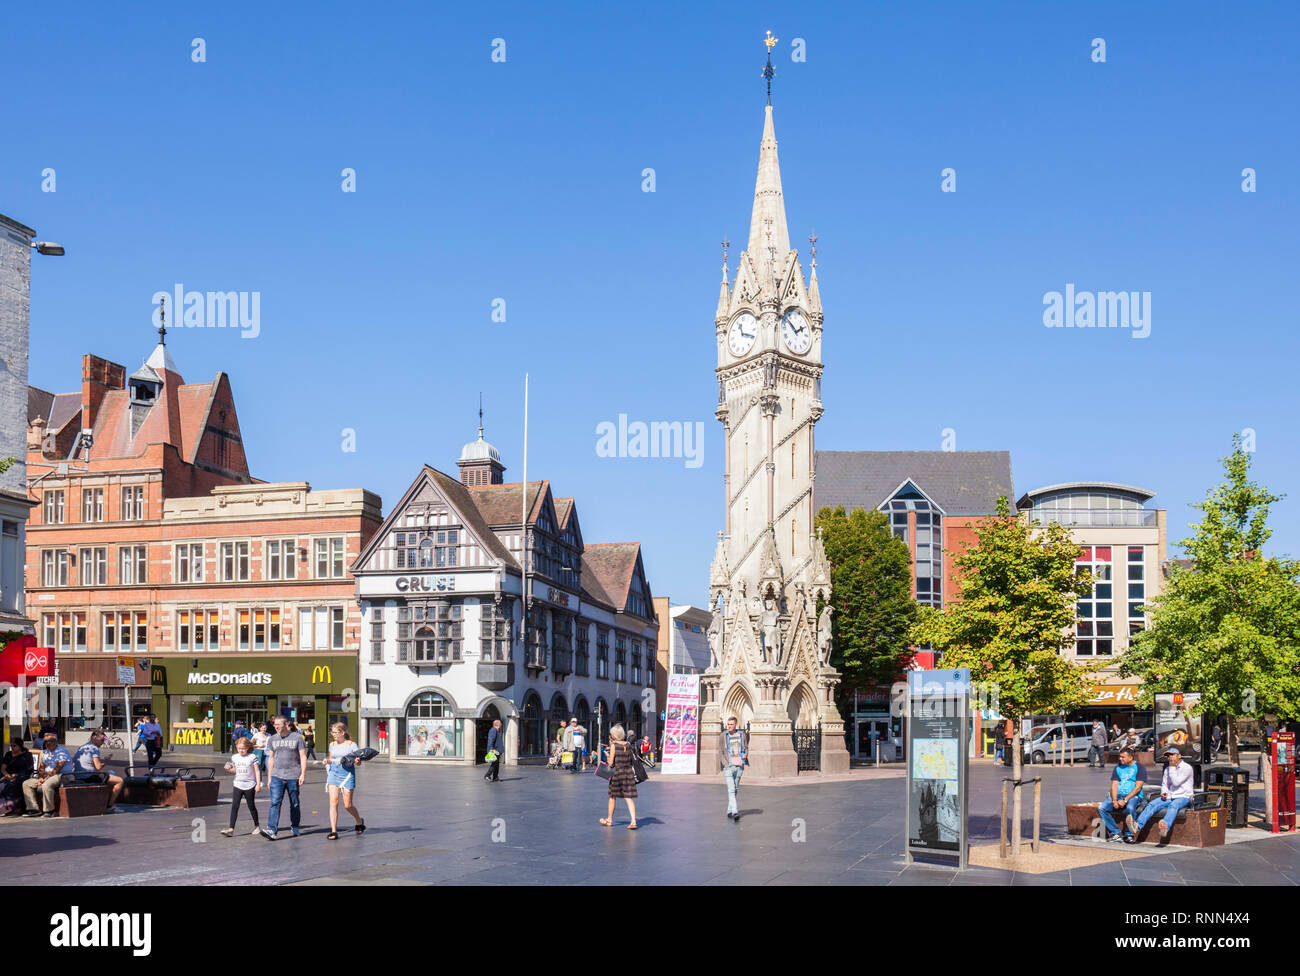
pixel 126 670
pixel 682 724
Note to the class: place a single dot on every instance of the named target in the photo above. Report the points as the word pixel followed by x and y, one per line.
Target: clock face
pixel 796 332
pixel 743 333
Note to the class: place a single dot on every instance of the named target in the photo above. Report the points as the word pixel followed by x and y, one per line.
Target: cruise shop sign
pixel 310 674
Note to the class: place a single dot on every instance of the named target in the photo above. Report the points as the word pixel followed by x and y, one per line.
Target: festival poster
pixel 682 724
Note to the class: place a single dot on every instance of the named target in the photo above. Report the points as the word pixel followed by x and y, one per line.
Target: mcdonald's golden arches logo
pixel 320 674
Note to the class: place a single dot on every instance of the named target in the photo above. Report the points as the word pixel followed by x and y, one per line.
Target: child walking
pixel 248 782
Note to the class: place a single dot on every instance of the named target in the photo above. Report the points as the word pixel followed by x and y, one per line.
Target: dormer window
pixel 143 393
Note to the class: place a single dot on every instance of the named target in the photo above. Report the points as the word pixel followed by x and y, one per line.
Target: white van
pixel 1043 744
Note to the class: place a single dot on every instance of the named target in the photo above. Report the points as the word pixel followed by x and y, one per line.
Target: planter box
pixel 84 800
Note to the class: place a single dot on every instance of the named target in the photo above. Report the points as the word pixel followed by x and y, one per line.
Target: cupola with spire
pixel 480 462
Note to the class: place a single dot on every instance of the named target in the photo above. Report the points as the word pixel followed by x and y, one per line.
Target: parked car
pixel 1146 743
pixel 1045 742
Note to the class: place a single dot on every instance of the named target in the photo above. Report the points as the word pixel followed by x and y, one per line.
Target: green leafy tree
pixel 1018 586
pixel 6 464
pixel 1227 626
pixel 871 579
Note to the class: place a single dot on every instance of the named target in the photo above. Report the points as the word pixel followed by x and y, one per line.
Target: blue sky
pixel 522 180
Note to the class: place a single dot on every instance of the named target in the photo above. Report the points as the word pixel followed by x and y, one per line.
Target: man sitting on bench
pixel 1126 783
pixel 1175 794
pixel 44 786
pixel 88 761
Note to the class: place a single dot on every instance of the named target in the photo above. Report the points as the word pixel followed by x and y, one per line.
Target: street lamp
pixel 48 247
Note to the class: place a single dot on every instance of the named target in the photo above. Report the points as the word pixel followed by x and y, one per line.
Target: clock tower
pixel 769 586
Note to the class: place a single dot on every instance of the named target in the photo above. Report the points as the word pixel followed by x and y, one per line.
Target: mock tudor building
pixel 149 540
pixel 449 645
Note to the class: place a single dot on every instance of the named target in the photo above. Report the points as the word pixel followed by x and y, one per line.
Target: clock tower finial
pixel 769 71
pixel 162 321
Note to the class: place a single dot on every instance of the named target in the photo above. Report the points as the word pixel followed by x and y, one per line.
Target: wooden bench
pixel 1201 825
pixel 84 799
pixel 181 788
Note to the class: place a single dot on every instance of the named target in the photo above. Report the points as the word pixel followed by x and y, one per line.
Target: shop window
pixel 431 730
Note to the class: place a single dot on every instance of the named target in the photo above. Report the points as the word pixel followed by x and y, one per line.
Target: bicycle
pixel 113 742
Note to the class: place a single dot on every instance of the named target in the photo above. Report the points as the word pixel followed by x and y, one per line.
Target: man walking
pixel 1097 746
pixel 1175 794
pixel 496 744
pixel 152 733
pixel 1126 783
pixel 575 740
pixel 286 771
pixel 733 750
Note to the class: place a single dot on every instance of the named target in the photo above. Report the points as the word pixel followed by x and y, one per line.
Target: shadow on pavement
pixel 26 846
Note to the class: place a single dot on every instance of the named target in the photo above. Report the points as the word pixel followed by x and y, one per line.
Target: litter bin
pixel 1233 783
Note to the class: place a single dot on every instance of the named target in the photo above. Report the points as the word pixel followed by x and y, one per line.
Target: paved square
pixel 429 825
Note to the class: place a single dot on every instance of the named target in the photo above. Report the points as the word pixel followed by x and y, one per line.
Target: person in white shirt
pixel 247 784
pixel 1175 794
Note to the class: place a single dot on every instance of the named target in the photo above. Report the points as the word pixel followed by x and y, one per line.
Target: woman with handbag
pixel 622 776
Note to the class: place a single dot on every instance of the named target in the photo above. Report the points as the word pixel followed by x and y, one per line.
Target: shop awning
pixel 22 659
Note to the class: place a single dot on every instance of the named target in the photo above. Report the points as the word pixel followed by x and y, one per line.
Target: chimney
pixel 98 376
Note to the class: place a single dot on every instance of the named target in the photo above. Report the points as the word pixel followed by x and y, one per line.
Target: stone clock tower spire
pixel 770 583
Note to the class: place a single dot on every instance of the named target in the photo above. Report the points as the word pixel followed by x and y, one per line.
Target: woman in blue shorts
pixel 341 778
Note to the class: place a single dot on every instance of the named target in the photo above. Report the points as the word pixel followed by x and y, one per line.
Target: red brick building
pixel 149 538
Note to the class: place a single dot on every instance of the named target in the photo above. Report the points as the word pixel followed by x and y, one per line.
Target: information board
pixel 938 732
pixel 682 724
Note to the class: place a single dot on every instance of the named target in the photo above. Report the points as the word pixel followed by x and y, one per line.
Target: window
pixel 320 629
pixel 1094 629
pixel 620 657
pixel 64 631
pixel 580 664
pixel 92 504
pixel 54 514
pixel 259 630
pixel 127 631
pixel 637 601
pixel 329 558
pixel 94 567
pixel 636 662
pixel 376 635
pixel 132 503
pixel 234 561
pixel 54 567
pixel 281 562
pixel 494 631
pixel 189 562
pixel 133 565
pixel 438 634
pixel 430 728
pixel 928 559
pixel 1137 588
pixel 198 630
pixel 602 653
pixel 403 633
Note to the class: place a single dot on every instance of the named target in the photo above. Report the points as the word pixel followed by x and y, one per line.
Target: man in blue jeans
pixel 286 770
pixel 1126 783
pixel 733 754
pixel 1175 794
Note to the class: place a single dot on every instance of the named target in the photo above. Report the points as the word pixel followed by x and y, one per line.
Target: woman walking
pixel 342 778
pixel 259 745
pixel 247 784
pixel 622 780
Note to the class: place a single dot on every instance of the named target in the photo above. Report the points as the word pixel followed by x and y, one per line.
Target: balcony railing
pixel 1095 518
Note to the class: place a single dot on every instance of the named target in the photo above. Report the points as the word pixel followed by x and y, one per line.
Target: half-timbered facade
pixel 448 645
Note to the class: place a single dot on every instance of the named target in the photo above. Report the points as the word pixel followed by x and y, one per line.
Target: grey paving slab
pixel 444 825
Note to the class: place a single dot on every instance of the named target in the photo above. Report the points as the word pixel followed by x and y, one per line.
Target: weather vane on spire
pixel 480 415
pixel 812 239
pixel 769 71
pixel 162 320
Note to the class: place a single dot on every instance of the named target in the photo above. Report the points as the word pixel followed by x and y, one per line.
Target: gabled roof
pixel 563 509
pixel 39 403
pixel 609 566
pixel 460 499
pixel 500 504
pixel 960 482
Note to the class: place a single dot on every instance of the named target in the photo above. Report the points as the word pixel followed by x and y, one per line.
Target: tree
pixel 1228 626
pixel 871 581
pixel 1018 587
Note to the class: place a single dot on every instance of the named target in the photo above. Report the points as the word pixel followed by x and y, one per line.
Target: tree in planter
pixel 1228 626
pixel 1018 589
pixel 871 582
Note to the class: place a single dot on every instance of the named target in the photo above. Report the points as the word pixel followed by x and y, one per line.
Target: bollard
pixel 1038 790
pixel 1002 823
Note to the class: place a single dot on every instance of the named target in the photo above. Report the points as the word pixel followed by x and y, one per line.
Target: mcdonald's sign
pixel 320 674
pixel 158 676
